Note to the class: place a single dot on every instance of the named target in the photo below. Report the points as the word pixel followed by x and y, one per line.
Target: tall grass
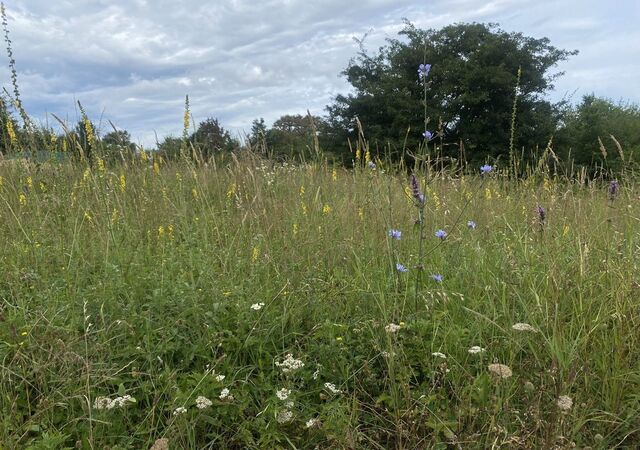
pixel 153 280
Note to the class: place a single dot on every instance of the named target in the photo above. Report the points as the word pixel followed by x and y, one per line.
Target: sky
pixel 132 62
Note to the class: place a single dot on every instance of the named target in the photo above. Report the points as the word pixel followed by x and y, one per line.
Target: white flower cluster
pixel 203 402
pixel 439 355
pixel 564 402
pixel 283 393
pixel 257 306
pixel 392 328
pixel 313 422
pixel 225 395
pixel 179 410
pixel 284 416
pixel 476 349
pixel 523 327
pixel 108 403
pixel 290 364
pixel 332 388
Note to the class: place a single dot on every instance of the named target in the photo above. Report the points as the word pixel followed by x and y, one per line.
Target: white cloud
pixel 132 62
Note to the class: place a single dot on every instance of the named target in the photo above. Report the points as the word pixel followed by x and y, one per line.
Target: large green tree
pixel 470 89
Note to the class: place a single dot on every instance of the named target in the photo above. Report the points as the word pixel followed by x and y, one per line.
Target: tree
pixel 470 91
pixel 117 145
pixel 596 124
pixel 210 138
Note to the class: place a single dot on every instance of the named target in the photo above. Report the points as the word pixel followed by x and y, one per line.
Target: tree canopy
pixel 470 89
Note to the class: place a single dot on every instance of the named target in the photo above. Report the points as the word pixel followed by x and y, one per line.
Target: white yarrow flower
pixel 392 328
pixel 203 402
pixel 313 422
pixel 564 402
pixel 284 416
pixel 332 388
pixel 283 393
pixel 220 377
pixel 225 395
pixel 439 355
pixel 523 327
pixel 500 370
pixel 290 364
pixel 476 349
pixel 257 306
pixel 179 410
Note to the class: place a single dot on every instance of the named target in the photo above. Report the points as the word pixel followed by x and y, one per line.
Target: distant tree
pixel 598 120
pixel 170 148
pixel 258 134
pixel 210 137
pixel 117 145
pixel 471 89
pixel 295 135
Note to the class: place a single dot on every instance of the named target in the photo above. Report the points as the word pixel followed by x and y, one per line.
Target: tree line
pixel 484 98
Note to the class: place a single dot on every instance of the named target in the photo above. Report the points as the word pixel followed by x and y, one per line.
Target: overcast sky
pixel 132 62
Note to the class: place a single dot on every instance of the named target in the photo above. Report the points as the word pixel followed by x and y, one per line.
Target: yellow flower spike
pixel 43 187
pixel 123 183
pixel 565 230
pixel 170 231
pixel 255 253
pixel 64 145
pixel 143 156
pixel 22 199
pixel 326 209
pixel 301 191
pixel 114 215
pixel 12 133
pixel 30 182
pixel 361 213
pixel 367 157
pixel 101 166
pixel 358 155
pixel 160 231
pixel 295 229
pixel 232 190
pixel 156 168
pixel 1 181
pixel 194 193
pixel 304 208
pixel 334 175
pixel 487 193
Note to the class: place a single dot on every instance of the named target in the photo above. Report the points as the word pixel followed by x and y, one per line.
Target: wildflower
pixel 224 395
pixel 326 209
pixel 332 388
pixel 257 306
pixel 471 225
pixel 486 169
pixel 284 416
pixel 542 214
pixel 614 188
pixel 437 277
pixel 500 370
pixel 427 135
pixel 392 328
pixel 415 190
pixel 439 355
pixel 523 327
pixel 334 175
pixel 203 402
pixel 255 253
pixel 564 402
pixel 283 393
pixel 179 410
pixel 102 403
pixel 160 444
pixel 395 234
pixel 423 71
pixel 290 364
pixel 22 199
pixel 123 183
pixel 441 234
pixel 476 349
pixel 371 165
pixel 312 423
pixel 11 132
pixel 401 268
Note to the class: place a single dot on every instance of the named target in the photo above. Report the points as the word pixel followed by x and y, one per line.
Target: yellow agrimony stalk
pixel 255 253
pixel 304 208
pixel 88 130
pixel 301 191
pixel 326 209
pixel 295 229
pixel 114 215
pixel 358 155
pixel 12 133
pixel 101 166
pixel 232 190
pixel 123 182
pixel 156 168
pixel 487 193
pixel 22 199
pixel 170 231
pixel 30 182
pixel 160 231
pixel 143 156
pixel 64 145
pixel 194 193
pixel 1 181
pixel 43 187
pixel 334 175
pixel 367 157
pixel 361 213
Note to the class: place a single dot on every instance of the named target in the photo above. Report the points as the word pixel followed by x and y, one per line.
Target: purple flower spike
pixel 441 234
pixel 486 169
pixel 401 268
pixel 542 214
pixel 614 189
pixel 415 190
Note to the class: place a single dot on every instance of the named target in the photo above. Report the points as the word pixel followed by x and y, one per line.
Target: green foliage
pixel 211 138
pixel 470 92
pixel 601 119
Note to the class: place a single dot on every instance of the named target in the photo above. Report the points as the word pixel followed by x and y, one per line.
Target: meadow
pixel 248 303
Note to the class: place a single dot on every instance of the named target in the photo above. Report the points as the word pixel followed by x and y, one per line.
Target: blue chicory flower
pixel 401 268
pixel 486 169
pixel 395 234
pixel 437 277
pixel 441 234
pixel 427 135
pixel 423 71
pixel 472 225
